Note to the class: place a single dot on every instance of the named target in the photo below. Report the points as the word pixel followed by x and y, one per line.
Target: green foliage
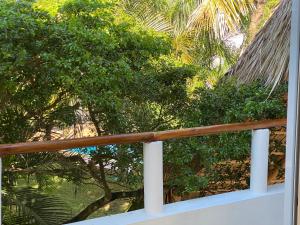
pixel 268 9
pixel 121 68
pixel 197 28
pixel 32 96
pixel 121 74
pixel 82 56
pixel 50 6
pixel 227 102
pixel 28 206
pixel 184 159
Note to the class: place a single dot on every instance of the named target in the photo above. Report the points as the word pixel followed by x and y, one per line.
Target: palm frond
pixel 41 166
pixel 219 16
pixel 149 14
pixel 28 206
pixel 180 11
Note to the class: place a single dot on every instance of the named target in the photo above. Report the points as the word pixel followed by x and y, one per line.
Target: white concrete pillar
pixel 259 160
pixel 153 177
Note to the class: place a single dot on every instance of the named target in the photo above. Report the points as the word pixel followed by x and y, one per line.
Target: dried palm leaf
pixel 267 57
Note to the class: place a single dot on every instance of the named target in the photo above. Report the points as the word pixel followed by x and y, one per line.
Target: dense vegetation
pixel 100 63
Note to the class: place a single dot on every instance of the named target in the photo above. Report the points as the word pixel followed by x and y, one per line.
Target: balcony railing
pixel 153 154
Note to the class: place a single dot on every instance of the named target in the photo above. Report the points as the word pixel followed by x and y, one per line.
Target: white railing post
pixel 259 160
pixel 153 177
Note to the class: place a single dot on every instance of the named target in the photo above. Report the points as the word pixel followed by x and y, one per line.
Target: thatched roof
pixel 267 57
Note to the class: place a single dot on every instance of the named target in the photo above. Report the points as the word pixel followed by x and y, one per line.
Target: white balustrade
pixel 234 208
pixel 153 177
pixel 153 170
pixel 259 160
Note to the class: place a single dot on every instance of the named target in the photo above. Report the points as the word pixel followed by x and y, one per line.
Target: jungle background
pixel 79 68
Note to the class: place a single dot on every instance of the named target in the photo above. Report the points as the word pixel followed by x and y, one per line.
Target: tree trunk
pixel 48 132
pixel 94 206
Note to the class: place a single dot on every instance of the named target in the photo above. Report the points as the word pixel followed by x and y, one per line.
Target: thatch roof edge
pixel 267 57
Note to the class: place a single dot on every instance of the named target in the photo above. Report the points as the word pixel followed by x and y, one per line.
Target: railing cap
pixel 57 145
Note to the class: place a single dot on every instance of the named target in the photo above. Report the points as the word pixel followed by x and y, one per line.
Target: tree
pixel 32 98
pixel 226 103
pixel 133 88
pixel 83 58
pixel 32 103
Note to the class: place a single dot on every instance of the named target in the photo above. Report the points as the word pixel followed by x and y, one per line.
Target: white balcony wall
pixel 234 208
pixel 260 205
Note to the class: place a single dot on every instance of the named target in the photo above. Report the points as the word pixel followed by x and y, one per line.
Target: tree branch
pixel 94 206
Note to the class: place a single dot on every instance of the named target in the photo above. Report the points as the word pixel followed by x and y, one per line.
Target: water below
pixel 87 150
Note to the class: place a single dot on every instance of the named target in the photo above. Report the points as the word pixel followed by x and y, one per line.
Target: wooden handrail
pixel 52 146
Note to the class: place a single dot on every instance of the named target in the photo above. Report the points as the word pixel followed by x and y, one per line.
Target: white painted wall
pixel 235 208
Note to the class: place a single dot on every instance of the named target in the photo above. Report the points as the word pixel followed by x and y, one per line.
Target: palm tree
pixel 29 206
pixel 23 204
pixel 192 22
